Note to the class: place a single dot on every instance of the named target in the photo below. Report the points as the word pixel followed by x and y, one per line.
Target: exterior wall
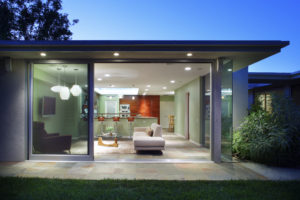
pixel 193 88
pixel 240 96
pixel 13 134
pixel 295 90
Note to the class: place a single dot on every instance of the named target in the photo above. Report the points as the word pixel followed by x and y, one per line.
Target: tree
pixel 34 20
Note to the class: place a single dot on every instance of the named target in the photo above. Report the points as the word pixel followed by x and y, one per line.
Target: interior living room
pixel 140 110
pixel 170 99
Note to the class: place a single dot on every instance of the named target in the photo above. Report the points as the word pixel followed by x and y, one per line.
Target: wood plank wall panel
pixel 147 106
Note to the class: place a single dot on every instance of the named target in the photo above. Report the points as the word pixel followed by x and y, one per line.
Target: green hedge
pixel 270 137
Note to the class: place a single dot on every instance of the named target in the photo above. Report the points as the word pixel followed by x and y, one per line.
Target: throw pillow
pixel 150 132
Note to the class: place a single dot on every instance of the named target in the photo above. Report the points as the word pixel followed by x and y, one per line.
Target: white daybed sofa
pixel 142 141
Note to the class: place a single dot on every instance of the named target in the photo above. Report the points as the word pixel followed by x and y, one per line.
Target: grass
pixel 40 188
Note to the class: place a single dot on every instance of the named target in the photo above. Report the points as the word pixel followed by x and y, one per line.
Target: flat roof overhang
pixel 274 79
pixel 243 53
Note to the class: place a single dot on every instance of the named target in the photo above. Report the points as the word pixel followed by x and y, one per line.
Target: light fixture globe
pixel 56 88
pixel 76 90
pixel 64 93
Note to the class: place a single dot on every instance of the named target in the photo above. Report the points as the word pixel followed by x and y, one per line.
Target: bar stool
pixel 101 120
pixel 130 125
pixel 116 121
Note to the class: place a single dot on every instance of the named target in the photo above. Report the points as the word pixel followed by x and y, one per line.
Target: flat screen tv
pixel 47 106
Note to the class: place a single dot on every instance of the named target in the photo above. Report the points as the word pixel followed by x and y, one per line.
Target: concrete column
pixel 215 111
pixel 13 116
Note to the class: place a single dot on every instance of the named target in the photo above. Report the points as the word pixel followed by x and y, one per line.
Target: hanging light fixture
pixel 76 89
pixel 57 87
pixel 64 91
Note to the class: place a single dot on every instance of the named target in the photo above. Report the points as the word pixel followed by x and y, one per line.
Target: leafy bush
pixel 270 137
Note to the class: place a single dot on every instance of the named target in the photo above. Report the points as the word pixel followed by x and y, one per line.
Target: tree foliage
pixel 34 20
pixel 270 137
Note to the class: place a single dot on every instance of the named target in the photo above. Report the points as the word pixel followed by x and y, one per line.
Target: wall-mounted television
pixel 47 106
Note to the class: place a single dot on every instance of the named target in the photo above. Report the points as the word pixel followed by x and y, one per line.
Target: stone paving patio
pixel 173 171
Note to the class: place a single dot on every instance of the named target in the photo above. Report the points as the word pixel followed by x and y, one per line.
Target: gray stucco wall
pixel 240 96
pixel 13 134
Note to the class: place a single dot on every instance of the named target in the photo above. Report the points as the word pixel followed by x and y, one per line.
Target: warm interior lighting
pixel 172 81
pixel 43 54
pixel 144 93
pixel 116 54
pixel 99 79
pixel 107 75
pixel 146 89
pixel 133 98
pixel 189 54
pixel 230 70
pixel 187 68
pixel 164 88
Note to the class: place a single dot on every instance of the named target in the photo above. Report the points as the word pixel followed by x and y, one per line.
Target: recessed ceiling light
pixel 99 79
pixel 116 54
pixel 133 98
pixel 107 75
pixel 144 93
pixel 164 87
pixel 230 70
pixel 189 54
pixel 43 54
pixel 146 89
pixel 172 81
pixel 187 68
pixel 148 85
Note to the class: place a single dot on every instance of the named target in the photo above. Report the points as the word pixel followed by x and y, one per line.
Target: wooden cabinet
pixel 147 106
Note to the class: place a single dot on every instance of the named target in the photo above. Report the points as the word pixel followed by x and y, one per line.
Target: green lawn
pixel 37 188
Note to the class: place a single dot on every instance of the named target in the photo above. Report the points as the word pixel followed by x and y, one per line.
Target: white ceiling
pixel 139 75
pixel 67 72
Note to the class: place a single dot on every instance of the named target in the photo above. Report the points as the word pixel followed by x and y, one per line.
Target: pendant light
pixel 76 89
pixel 64 91
pixel 57 87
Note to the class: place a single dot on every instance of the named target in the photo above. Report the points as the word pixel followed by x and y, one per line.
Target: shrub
pixel 270 137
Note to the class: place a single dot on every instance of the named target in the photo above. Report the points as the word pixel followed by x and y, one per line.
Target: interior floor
pixel 176 147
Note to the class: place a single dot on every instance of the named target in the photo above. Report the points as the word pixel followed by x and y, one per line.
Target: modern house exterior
pixel 262 85
pixel 209 102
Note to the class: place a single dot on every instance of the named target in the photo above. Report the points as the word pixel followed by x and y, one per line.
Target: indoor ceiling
pixel 148 76
pixel 65 72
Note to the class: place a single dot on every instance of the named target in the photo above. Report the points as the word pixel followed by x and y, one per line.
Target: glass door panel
pixel 226 103
pixel 60 109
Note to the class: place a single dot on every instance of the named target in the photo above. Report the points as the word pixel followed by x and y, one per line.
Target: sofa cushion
pixel 147 141
pixel 139 134
pixel 157 130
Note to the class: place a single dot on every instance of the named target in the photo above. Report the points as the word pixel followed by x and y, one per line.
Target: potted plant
pixel 109 129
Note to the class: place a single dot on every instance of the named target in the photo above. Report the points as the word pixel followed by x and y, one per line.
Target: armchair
pixel 49 143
